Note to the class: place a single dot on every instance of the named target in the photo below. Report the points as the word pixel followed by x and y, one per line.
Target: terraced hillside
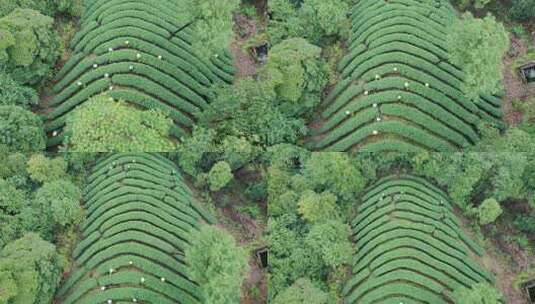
pixel 139 218
pixel 411 248
pixel 139 51
pixel 399 92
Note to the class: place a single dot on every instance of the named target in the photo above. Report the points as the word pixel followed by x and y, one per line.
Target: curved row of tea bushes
pixel 139 51
pixel 398 85
pixel 410 247
pixel 139 219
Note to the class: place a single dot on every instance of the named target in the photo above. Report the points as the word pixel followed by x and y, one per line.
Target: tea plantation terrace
pixel 139 219
pixel 140 52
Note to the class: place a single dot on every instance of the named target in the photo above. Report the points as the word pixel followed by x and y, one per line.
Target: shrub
pixel 219 176
pixel 217 264
pixel 12 93
pixel 101 125
pixel 29 45
pixel 489 211
pixel 20 130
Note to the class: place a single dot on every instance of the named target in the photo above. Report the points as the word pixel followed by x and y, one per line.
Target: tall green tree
pixel 12 93
pixel 298 74
pixel 43 169
pixel 102 125
pixel 30 270
pixel 217 264
pixel 331 240
pixel 477 46
pixel 20 130
pixel 56 206
pixel 29 45
pixel 212 23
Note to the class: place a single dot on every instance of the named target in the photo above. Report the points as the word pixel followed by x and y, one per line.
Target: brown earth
pixel 515 89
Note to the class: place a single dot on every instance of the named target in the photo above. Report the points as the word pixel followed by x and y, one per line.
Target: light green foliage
pixel 302 291
pixel 316 207
pixel 101 125
pixel 20 130
pixel 57 206
pixel 249 109
pixel 217 264
pixel 12 200
pixel 13 168
pixel 489 211
pixel 334 172
pixel 30 270
pixel 12 93
pixel 43 169
pixel 219 176
pixel 237 151
pixel 212 23
pixel 298 74
pixel 29 45
pixel 477 46
pixel 481 293
pixel 331 240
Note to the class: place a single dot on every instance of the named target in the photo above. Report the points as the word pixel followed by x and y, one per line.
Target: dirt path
pixel 515 89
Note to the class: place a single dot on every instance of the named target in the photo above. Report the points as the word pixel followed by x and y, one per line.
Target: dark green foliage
pixel 310 19
pixel 30 270
pixel 298 74
pixel 12 93
pixel 522 10
pixel 46 7
pixel 248 108
pixel 56 206
pixel 12 203
pixel 29 47
pixel 20 130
